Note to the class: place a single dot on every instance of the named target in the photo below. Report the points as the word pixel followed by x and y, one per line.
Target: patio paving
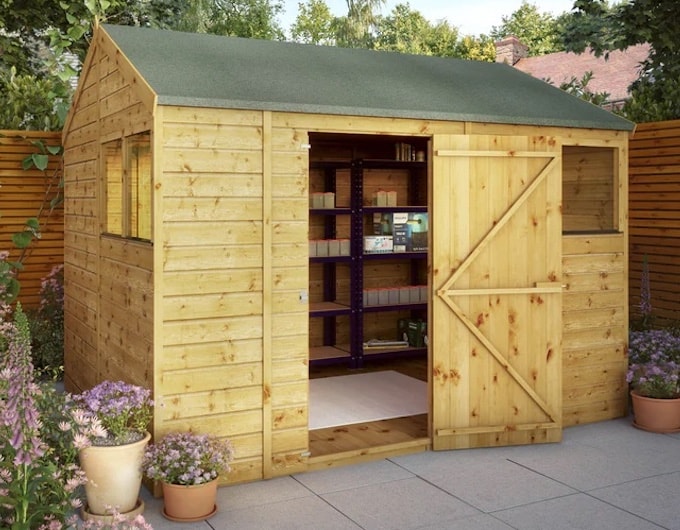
pixel 606 475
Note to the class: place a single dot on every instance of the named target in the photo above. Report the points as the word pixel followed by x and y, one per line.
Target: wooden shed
pixel 288 242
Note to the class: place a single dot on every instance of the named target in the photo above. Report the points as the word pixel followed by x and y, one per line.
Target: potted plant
pixel 188 466
pixel 112 457
pixel 653 374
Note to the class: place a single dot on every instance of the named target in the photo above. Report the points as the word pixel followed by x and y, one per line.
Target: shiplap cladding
pixel 213 315
pixel 109 302
pixel 23 194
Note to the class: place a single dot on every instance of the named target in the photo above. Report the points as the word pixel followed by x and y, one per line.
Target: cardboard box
pixel 329 199
pixel 317 200
pixel 410 231
pixel 377 244
pixel 344 247
pixel 333 247
pixel 322 247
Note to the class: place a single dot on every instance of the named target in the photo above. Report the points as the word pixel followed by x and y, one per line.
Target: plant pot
pixel 189 503
pixel 87 515
pixel 656 415
pixel 114 476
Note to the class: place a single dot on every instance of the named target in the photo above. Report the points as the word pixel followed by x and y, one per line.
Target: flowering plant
pixel 123 410
pixel 654 363
pixel 187 458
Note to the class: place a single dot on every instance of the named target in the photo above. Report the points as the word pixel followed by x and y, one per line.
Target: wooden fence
pixel 654 203
pixel 22 195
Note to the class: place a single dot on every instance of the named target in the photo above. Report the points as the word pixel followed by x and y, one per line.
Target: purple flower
pixel 122 410
pixel 654 363
pixel 187 458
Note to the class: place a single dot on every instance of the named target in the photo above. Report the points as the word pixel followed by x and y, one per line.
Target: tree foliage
pixel 539 31
pixel 314 24
pixel 357 29
pixel 656 94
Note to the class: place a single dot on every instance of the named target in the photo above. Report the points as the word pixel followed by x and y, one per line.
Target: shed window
pixel 589 189
pixel 127 170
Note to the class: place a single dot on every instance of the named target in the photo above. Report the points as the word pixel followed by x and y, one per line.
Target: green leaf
pixel 40 161
pixel 54 149
pixel 22 239
pixel 27 163
pixel 32 222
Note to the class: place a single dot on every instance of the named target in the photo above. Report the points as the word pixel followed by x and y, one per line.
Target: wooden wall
pixel 655 217
pixel 595 328
pixel 109 303
pixel 234 261
pixel 22 195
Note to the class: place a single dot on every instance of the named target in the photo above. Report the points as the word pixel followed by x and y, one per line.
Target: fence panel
pixel 23 194
pixel 654 209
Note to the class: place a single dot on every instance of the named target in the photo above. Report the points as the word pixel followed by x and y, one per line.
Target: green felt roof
pixel 190 69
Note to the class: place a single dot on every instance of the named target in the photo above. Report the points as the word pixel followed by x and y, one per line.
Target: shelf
pixel 332 321
pixel 332 211
pixel 329 259
pixel 393 209
pixel 373 163
pixel 393 307
pixel 395 255
pixel 327 353
pixel 327 309
pixel 392 352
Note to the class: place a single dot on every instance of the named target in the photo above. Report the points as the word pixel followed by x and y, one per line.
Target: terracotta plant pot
pixel 656 415
pixel 114 476
pixel 189 503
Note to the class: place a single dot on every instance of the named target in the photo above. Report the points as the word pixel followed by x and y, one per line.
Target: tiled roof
pixel 613 75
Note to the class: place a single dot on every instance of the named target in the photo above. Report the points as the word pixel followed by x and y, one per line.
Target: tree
pixel 655 96
pixel 239 18
pixel 539 31
pixel 313 24
pixel 403 30
pixel 356 29
pixel 480 48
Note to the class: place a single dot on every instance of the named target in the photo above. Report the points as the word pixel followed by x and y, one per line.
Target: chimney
pixel 510 50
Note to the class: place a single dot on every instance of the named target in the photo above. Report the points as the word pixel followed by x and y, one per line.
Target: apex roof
pixel 190 69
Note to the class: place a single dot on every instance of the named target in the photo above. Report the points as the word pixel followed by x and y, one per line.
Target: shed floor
pixel 406 434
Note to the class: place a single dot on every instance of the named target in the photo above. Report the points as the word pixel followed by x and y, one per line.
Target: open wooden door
pixel 496 311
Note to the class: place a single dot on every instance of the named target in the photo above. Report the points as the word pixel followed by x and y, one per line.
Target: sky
pixel 471 17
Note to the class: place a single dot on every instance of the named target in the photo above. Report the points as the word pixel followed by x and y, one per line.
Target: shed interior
pixel 398 164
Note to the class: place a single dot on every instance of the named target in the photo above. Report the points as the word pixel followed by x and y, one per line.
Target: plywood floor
pixel 408 431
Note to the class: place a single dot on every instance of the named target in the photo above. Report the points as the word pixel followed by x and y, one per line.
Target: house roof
pixel 190 69
pixel 612 75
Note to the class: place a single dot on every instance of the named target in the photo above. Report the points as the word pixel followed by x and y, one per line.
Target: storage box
pixel 391 198
pixel 344 247
pixel 410 231
pixel 380 198
pixel 383 296
pixel 393 294
pixel 329 199
pixel 377 244
pixel 382 224
pixel 333 247
pixel 404 295
pixel 312 248
pixel 317 200
pixel 414 331
pixel 322 247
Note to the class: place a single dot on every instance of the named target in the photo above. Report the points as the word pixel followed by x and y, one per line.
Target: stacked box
pixel 410 232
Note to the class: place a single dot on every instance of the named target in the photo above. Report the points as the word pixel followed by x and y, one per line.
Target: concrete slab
pixel 355 476
pixel 655 498
pixel 578 511
pixel 400 505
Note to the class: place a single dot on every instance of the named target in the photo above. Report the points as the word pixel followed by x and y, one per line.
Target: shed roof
pixel 199 70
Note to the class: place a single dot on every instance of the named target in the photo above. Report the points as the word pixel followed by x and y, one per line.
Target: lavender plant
pixel 187 458
pixel 124 411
